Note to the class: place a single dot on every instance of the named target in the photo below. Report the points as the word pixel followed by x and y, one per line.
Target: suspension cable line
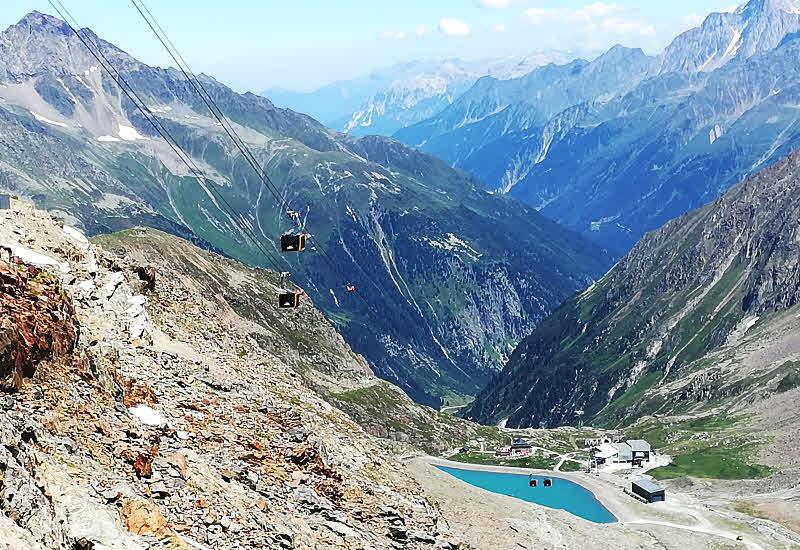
pixel 141 106
pixel 215 110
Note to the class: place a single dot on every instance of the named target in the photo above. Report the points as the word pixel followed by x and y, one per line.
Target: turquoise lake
pixel 564 494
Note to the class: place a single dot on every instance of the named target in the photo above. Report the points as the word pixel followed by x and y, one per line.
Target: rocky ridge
pixel 165 425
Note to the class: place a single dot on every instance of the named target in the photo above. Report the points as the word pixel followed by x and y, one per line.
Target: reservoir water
pixel 564 494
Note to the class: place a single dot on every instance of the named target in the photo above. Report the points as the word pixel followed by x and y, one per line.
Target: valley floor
pixel 686 521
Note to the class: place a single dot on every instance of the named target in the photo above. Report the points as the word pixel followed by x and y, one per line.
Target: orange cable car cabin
pixel 289 300
pixel 293 243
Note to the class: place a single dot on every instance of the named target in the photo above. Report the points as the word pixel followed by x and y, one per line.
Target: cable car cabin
pixel 548 482
pixel 533 481
pixel 293 243
pixel 350 288
pixel 289 300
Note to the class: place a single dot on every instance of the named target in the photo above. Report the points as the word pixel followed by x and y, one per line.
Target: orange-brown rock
pixel 137 393
pixel 37 320
pixel 179 461
pixel 143 465
pixel 142 517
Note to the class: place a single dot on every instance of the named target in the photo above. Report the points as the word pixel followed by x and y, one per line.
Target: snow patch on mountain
pixel 129 134
pixel 40 118
pixel 69 93
pixel 715 133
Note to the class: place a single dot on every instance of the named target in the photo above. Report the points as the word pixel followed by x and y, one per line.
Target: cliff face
pixel 157 403
pixel 697 284
pixel 418 239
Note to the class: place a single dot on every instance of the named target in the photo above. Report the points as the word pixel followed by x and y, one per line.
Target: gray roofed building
pixel 640 450
pixel 648 490
pixel 638 445
pixel 648 485
pixel 625 452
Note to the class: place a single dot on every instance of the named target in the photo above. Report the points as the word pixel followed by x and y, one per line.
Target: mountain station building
pixel 648 490
pixel 640 450
pixel 634 451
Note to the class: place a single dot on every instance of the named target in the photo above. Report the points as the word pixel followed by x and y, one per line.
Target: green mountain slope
pixel 632 343
pixel 451 276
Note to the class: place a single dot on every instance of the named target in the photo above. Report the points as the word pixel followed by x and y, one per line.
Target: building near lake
pixel 612 453
pixel 519 447
pixel 640 449
pixel 634 451
pixel 648 490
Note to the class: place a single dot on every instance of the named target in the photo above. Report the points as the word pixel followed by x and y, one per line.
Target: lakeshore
pixel 489 520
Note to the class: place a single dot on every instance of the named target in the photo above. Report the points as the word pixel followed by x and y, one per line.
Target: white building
pixel 611 453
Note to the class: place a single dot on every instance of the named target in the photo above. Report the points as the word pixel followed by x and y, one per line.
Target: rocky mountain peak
pixel 755 27
pixel 41 43
pixel 621 58
pixel 756 7
pixel 41 22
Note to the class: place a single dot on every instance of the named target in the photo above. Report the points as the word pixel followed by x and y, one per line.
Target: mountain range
pixel 448 276
pixel 392 98
pixel 618 146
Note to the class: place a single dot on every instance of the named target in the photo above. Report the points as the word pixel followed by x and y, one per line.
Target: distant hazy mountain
pixel 334 104
pixel 394 97
pixel 448 276
pixel 616 147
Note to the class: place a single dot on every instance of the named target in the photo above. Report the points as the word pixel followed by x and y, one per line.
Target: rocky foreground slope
pixel 424 245
pixel 148 408
pixel 724 279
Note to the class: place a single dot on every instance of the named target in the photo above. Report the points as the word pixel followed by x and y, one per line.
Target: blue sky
pixel 303 44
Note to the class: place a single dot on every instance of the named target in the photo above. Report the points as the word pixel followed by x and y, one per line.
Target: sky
pixel 305 44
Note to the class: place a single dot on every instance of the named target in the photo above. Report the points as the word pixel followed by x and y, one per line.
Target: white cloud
pixel 500 27
pixel 731 9
pixel 495 4
pixel 609 19
pixel 592 11
pixel 453 27
pixel 542 16
pixel 693 20
pixel 421 30
pixel 586 14
pixel 392 35
pixel 600 24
